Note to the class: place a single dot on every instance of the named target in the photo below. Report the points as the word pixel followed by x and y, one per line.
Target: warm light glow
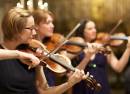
pixel 19 5
pixel 40 2
pixel 30 5
pixel 42 5
pixel 45 5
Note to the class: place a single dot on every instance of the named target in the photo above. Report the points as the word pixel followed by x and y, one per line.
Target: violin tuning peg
pixel 91 76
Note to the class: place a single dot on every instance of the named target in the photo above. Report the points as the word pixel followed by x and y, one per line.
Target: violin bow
pixel 113 30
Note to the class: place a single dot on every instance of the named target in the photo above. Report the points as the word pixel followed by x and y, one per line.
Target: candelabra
pixel 32 4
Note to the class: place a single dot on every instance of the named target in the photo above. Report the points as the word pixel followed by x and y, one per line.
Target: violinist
pixel 13 71
pixel 97 62
pixel 45 28
pixel 15 77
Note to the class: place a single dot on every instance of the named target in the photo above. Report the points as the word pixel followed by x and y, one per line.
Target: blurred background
pixel 105 13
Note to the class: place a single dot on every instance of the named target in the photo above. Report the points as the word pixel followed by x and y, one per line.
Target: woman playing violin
pixel 96 64
pixel 45 28
pixel 44 25
pixel 15 77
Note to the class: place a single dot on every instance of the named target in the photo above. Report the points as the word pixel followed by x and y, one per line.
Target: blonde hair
pixel 13 23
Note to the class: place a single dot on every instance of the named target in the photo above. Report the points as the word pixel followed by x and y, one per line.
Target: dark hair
pixel 79 31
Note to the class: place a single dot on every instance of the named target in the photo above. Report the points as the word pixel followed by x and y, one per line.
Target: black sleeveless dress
pixel 99 73
pixel 15 78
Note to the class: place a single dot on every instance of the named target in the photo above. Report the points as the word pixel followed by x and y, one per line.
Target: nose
pixel 34 32
pixel 52 25
pixel 94 30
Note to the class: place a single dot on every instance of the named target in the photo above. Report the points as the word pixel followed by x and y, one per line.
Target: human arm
pixel 11 54
pixel 8 54
pixel 119 65
pixel 43 87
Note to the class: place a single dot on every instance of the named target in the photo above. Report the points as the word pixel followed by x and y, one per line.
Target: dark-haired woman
pixel 97 65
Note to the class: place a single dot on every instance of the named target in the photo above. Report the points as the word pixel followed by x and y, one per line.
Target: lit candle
pixel 40 2
pixel 45 6
pixel 42 5
pixel 30 5
pixel 22 3
pixel 19 5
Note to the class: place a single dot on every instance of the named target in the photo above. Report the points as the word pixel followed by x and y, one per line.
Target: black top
pixel 15 78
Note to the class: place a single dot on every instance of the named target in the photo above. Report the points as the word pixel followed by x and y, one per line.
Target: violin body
pixel 47 57
pixel 111 40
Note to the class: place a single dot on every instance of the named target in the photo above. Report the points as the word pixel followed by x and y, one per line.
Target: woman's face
pixel 29 30
pixel 45 29
pixel 90 31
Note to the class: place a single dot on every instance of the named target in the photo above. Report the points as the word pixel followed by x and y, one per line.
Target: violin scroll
pixel 92 83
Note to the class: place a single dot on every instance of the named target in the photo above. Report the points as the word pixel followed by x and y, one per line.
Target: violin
pixel 106 39
pixel 111 40
pixel 54 41
pixel 59 63
pixel 83 45
pixel 74 45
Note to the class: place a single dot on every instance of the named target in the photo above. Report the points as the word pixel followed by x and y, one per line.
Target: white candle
pixel 30 5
